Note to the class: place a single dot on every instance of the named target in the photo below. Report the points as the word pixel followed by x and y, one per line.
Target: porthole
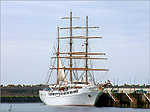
pixel 89 95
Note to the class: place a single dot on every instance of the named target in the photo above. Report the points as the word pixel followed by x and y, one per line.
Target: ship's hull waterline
pixel 77 99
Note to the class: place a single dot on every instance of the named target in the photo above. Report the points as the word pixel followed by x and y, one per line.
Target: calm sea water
pixel 39 107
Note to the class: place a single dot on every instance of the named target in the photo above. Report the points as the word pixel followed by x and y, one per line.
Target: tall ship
pixel 75 82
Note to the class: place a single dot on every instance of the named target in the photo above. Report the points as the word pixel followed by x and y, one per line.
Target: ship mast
pixel 58 58
pixel 70 46
pixel 86 49
pixel 77 55
pixel 70 42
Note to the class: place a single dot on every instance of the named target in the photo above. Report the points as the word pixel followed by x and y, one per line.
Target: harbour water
pixel 40 107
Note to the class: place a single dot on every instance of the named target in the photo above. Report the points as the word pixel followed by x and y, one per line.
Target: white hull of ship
pixel 77 99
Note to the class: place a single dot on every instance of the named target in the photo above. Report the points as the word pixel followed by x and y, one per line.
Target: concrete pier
pixel 124 97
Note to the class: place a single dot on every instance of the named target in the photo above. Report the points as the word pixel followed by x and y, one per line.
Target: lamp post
pixel 129 80
pixel 117 83
pixel 134 82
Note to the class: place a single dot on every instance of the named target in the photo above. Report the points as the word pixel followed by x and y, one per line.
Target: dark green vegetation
pixel 21 99
pixel 19 93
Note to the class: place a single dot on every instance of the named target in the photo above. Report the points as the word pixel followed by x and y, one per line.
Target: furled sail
pixel 61 73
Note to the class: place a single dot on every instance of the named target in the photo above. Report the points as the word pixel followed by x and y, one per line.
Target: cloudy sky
pixel 29 30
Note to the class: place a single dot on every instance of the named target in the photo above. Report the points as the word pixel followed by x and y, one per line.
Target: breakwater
pixel 113 96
